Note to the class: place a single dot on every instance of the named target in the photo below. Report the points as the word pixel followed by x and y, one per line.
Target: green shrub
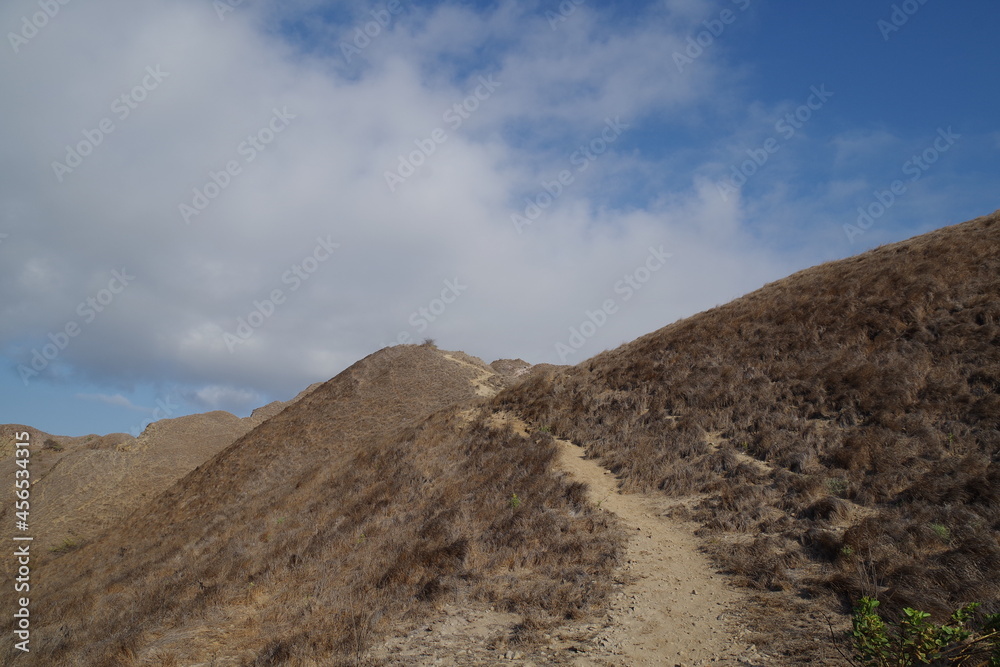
pixel 916 640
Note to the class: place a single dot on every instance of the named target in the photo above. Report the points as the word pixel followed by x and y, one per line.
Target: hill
pixel 83 485
pixel 841 423
pixel 833 434
pixel 382 492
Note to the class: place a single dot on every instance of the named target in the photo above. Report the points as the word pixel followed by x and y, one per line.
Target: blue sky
pixel 269 194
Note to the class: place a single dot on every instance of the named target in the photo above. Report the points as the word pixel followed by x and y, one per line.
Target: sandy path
pixel 674 609
pixel 480 383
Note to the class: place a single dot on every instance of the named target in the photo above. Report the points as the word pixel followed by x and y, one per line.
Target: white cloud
pixel 855 146
pixel 323 175
pixel 216 397
pixel 116 400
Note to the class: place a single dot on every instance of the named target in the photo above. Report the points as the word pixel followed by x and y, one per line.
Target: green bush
pixel 916 640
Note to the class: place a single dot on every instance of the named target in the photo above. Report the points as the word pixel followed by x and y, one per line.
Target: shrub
pixel 916 640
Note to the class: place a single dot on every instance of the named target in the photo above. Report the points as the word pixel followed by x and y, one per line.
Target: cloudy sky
pixel 210 205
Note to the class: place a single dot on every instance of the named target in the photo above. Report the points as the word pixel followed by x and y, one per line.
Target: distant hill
pixel 843 423
pixel 85 484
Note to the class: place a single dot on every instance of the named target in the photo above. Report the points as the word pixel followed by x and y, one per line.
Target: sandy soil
pixel 670 608
pixel 673 609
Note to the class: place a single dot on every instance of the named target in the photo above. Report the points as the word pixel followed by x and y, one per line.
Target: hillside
pixel 382 492
pixel 842 424
pixel 86 484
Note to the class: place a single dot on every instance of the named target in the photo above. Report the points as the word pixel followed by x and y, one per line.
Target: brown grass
pixel 857 407
pixel 85 485
pixel 840 426
pixel 371 501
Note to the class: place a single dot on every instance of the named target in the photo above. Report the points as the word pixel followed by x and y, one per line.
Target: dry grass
pixel 85 485
pixel 370 501
pixel 841 426
pixel 857 407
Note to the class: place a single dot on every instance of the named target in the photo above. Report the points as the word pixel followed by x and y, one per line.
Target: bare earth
pixel 670 608
pixel 673 609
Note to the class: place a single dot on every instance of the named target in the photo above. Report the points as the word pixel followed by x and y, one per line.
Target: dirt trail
pixel 673 609
pixel 481 383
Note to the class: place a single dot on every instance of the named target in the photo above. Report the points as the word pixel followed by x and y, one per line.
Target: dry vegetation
pixel 840 428
pixel 843 422
pixel 85 485
pixel 372 500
